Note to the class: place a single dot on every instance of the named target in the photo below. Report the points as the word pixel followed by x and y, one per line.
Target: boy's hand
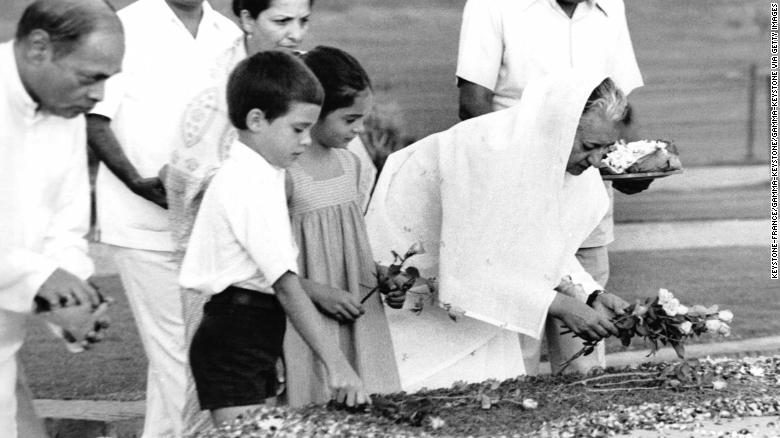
pixel 338 304
pixel 347 387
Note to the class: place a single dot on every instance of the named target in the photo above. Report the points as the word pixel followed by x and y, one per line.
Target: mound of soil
pixel 649 397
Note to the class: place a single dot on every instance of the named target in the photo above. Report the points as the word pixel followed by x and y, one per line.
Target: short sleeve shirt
pixel 242 234
pixel 164 67
pixel 506 43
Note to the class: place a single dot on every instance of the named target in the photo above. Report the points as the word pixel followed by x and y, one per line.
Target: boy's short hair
pixel 270 81
pixel 340 74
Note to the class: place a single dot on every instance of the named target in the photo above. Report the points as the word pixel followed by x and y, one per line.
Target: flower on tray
pixel 663 320
pixel 397 279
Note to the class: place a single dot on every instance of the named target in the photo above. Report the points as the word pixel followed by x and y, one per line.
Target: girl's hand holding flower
pixel 333 302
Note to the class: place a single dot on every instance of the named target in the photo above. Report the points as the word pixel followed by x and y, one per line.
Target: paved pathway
pixel 650 236
pixel 753 427
pixel 714 177
pixel 765 345
pixel 91 419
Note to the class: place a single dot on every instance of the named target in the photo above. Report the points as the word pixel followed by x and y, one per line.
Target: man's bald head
pixel 68 22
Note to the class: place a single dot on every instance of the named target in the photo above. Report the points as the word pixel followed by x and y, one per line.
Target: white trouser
pixel 27 422
pixel 150 282
pixel 12 330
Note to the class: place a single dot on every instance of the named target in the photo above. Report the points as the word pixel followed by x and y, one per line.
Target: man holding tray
pixel 50 75
pixel 506 43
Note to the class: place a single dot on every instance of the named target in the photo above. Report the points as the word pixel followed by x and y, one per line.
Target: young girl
pixel 329 229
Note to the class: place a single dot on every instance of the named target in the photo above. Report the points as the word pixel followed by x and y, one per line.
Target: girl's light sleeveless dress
pixel 331 235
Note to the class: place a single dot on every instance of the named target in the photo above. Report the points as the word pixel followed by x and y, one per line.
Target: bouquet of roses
pixel 395 281
pixel 663 320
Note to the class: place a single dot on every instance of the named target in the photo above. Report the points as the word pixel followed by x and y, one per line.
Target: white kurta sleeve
pixel 65 242
pixel 625 70
pixel 580 276
pixel 22 272
pixel 481 46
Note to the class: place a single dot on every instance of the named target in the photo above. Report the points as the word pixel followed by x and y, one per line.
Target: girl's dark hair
pixel 342 77
pixel 270 81
pixel 255 7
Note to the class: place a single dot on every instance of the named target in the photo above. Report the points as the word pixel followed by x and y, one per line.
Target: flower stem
pixel 609 376
pixel 622 382
pixel 371 292
pixel 622 388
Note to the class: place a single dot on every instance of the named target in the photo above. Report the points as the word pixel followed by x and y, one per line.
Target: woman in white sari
pixel 501 203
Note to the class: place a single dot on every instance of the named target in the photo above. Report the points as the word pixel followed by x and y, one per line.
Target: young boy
pixel 242 252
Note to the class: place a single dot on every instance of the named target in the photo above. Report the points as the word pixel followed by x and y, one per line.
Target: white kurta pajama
pixel 44 213
pixel 501 220
pixel 163 69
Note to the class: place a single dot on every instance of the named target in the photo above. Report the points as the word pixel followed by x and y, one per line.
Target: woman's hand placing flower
pixel 395 281
pixel 610 305
pixel 663 320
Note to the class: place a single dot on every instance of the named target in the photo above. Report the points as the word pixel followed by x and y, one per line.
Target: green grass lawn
pixel 735 278
pixel 114 370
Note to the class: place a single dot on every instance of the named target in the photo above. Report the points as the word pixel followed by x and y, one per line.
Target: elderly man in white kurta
pixel 172 48
pixel 50 75
pixel 506 43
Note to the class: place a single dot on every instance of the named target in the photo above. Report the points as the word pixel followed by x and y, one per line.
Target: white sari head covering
pixel 492 202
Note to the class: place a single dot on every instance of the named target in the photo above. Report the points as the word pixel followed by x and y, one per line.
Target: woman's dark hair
pixel 270 81
pixel 66 22
pixel 342 77
pixel 255 7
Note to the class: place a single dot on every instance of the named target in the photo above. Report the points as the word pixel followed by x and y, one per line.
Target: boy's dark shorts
pixel 234 350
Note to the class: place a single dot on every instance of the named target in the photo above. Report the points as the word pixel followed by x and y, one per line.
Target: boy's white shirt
pixel 242 234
